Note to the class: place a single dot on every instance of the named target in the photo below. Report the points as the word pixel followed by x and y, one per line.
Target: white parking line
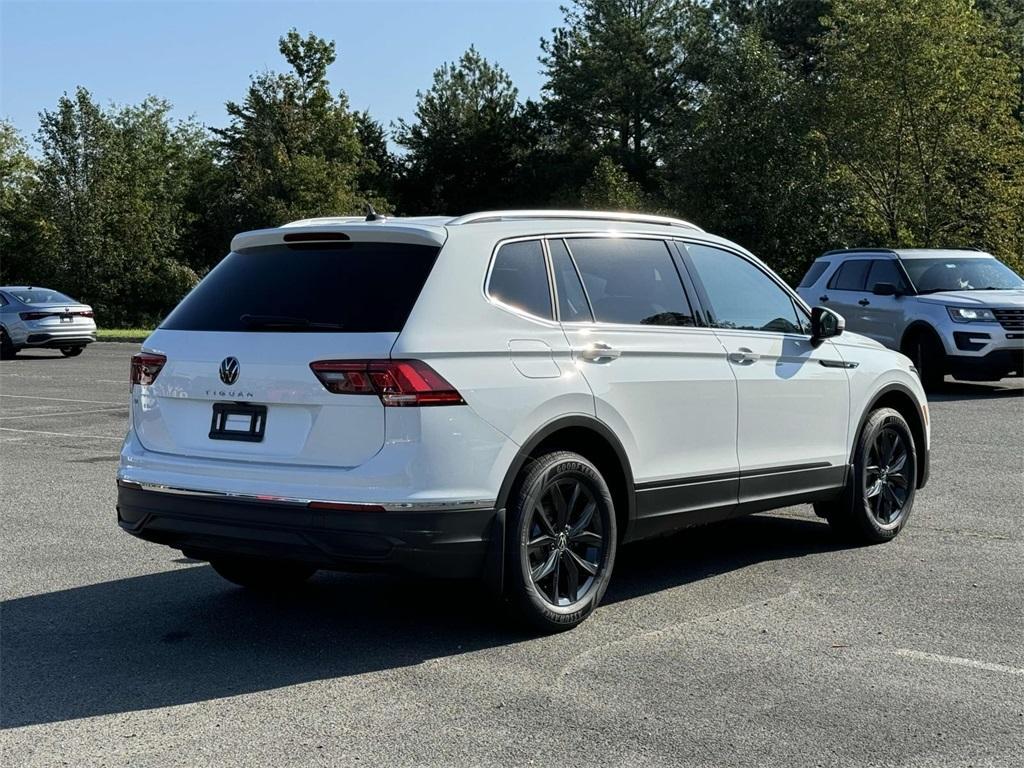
pixel 958 661
pixel 63 413
pixel 61 399
pixel 59 434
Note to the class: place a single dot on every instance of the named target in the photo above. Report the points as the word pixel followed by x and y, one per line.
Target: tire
pixel 880 490
pixel 262 575
pixel 7 348
pixel 561 541
pixel 71 351
pixel 929 356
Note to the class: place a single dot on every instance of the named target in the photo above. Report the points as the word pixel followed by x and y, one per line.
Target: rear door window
pixel 519 278
pixel 572 300
pixel 851 276
pixel 631 281
pixel 309 287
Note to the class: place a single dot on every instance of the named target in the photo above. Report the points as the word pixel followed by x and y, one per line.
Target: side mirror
pixel 885 289
pixel 825 324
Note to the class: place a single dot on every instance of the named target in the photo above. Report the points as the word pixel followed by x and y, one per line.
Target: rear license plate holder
pixel 67 318
pixel 238 421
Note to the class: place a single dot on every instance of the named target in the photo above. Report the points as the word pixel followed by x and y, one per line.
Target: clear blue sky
pixel 198 55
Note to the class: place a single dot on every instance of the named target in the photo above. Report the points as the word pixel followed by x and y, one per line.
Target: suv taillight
pixel 395 382
pixel 145 368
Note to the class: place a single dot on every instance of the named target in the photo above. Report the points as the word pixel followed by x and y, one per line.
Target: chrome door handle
pixel 598 350
pixel 744 356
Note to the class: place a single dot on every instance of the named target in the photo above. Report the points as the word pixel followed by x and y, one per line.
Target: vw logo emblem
pixel 229 370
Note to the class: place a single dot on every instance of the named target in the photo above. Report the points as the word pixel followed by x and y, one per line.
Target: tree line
pixel 789 126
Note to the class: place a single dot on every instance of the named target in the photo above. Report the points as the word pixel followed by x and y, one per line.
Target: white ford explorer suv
pixel 507 395
pixel 958 312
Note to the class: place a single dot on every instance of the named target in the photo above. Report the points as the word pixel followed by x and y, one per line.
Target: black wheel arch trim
pixel 494 570
pixel 921 450
pixel 557 425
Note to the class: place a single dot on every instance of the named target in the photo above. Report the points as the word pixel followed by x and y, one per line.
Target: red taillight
pixel 146 367
pixel 84 313
pixel 34 315
pixel 396 382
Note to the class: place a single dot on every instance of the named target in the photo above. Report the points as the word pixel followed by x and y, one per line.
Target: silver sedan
pixel 40 317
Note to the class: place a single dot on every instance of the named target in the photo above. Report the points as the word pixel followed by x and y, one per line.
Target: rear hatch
pixel 237 383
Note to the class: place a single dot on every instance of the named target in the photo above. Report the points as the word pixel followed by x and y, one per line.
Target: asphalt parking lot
pixel 755 642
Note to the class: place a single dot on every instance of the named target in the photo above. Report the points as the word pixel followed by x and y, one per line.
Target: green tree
pixel 616 74
pixel 17 223
pixel 466 142
pixel 380 170
pixel 793 26
pixel 609 188
pixel 292 149
pixel 109 202
pixel 920 100
pixel 752 166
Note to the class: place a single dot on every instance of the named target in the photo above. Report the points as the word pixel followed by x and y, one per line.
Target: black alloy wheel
pixel 561 539
pixel 566 545
pixel 886 484
pixel 881 484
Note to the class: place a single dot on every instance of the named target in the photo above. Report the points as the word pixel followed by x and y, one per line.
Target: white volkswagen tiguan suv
pixel 507 395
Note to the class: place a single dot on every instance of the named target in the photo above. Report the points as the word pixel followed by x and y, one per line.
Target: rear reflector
pixel 145 368
pixel 395 382
pixel 341 506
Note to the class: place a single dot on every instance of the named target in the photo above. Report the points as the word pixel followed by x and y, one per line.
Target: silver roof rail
pixel 630 218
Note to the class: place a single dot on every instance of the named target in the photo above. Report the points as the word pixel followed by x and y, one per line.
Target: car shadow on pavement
pixel 185 635
pixel 953 391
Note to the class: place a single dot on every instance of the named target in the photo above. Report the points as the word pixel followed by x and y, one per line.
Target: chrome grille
pixel 1010 319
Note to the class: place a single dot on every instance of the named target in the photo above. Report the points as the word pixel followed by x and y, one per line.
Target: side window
pixel 631 281
pixel 519 278
pixel 850 276
pixel 741 295
pixel 885 271
pixel 817 270
pixel 572 301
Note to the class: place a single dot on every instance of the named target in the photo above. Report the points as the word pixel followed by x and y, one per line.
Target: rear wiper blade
pixel 284 322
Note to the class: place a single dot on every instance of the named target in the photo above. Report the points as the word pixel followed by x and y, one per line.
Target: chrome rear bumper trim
pixel 412 506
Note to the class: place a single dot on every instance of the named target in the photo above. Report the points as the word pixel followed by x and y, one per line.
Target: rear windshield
pixel 308 287
pixel 40 296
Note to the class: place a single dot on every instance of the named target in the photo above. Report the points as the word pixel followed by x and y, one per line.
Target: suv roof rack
pixel 632 218
pixel 859 250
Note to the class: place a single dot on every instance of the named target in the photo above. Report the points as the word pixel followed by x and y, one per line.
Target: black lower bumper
pixel 57 341
pixel 996 365
pixel 449 543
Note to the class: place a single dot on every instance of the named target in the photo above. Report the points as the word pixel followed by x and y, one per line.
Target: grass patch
pixel 122 334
